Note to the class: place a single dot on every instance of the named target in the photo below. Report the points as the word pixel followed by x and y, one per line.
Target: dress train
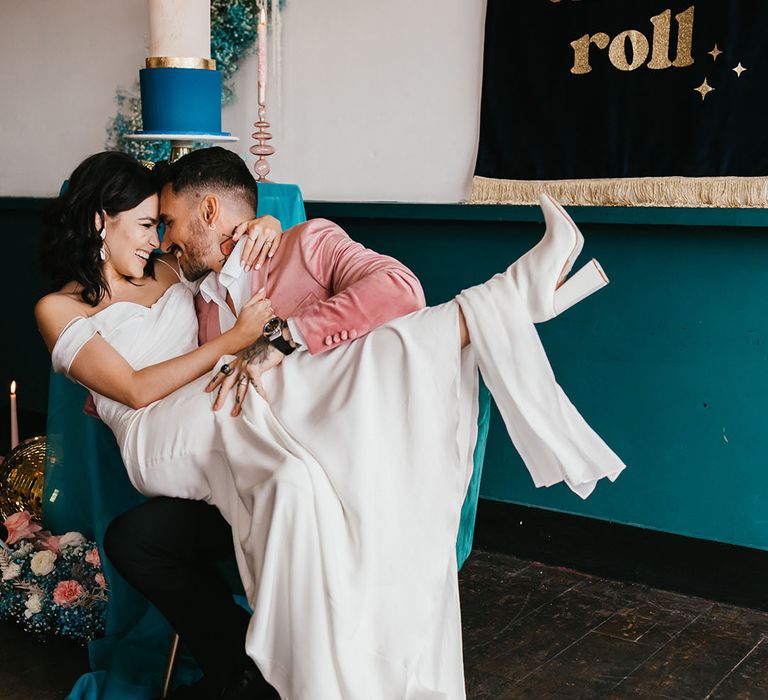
pixel 347 489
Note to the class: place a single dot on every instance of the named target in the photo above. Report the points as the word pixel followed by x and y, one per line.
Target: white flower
pixel 22 551
pixel 33 605
pixel 11 571
pixel 71 539
pixel 42 563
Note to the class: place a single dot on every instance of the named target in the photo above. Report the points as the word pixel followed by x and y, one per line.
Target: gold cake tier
pixel 180 62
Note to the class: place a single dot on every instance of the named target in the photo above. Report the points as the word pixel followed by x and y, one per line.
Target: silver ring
pixel 226 370
pixel 268 244
pixel 243 381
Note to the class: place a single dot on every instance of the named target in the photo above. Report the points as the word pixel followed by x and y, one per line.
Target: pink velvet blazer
pixel 327 283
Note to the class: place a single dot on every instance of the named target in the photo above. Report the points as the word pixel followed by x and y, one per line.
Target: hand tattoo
pixel 258 353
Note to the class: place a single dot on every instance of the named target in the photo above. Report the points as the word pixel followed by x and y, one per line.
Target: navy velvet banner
pixel 624 89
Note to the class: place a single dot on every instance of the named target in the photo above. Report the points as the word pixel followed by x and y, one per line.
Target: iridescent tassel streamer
pixel 276 59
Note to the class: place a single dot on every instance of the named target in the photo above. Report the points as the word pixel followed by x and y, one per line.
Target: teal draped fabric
pixel 87 486
pixel 469 508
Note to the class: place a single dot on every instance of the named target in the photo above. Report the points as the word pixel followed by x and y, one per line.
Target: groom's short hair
pixel 214 169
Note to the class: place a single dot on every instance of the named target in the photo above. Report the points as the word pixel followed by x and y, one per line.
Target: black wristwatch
pixel 273 334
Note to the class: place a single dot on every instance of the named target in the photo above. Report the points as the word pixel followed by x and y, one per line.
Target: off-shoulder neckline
pixel 117 303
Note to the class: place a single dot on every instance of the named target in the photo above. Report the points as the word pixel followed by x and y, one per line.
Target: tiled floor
pixel 535 632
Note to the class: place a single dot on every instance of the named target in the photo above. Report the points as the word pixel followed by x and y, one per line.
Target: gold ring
pixel 268 244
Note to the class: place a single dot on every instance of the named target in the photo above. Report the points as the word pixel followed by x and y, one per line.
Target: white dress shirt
pixel 233 279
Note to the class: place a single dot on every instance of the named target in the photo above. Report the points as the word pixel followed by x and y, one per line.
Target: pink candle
pixel 262 53
pixel 14 417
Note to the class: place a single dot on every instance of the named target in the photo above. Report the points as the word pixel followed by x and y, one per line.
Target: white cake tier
pixel 180 28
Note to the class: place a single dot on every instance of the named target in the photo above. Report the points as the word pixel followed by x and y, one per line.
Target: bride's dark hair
pixel 108 182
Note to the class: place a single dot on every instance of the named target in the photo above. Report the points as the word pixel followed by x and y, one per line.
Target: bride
pixel 344 485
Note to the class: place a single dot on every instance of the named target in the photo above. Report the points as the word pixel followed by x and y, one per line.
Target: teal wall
pixel 669 363
pixel 23 356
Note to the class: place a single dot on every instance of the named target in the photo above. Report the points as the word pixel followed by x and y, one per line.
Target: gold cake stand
pixel 181 144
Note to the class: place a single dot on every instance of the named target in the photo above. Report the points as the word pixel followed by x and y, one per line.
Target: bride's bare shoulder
pixel 55 311
pixel 60 303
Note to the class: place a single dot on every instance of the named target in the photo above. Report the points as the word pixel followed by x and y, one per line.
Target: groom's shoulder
pixel 313 230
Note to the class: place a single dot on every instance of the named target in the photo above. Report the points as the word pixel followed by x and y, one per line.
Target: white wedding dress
pixel 344 491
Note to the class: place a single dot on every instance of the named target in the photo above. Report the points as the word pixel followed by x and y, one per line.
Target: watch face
pixel 271 326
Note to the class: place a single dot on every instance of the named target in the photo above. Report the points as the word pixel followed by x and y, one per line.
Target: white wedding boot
pixel 541 275
pixel 552 438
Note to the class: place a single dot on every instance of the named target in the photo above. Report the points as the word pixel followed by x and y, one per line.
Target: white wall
pixel 379 101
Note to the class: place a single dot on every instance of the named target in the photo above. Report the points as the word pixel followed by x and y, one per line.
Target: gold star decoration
pixel 714 53
pixel 704 89
pixel 739 69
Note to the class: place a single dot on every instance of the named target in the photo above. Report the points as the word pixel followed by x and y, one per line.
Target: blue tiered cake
pixel 180 100
pixel 180 87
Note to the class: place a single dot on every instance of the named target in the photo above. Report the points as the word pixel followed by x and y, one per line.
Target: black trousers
pixel 167 549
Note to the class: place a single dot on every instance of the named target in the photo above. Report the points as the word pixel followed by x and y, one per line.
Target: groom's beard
pixel 198 251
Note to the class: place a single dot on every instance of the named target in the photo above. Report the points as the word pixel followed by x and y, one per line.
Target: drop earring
pixel 103 249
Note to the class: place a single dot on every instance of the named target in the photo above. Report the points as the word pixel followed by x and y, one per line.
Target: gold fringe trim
pixel 628 192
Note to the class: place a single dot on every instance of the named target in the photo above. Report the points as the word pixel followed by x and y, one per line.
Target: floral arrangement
pixel 52 586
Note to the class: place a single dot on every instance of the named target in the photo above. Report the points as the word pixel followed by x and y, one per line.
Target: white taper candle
pixel 14 417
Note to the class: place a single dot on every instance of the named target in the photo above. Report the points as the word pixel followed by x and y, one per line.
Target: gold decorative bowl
pixel 22 475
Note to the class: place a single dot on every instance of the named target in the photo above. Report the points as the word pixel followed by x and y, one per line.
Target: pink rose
pixel 67 592
pixel 45 540
pixel 92 557
pixel 100 579
pixel 20 526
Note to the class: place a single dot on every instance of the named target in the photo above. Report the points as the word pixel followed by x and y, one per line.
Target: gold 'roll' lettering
pixel 639 46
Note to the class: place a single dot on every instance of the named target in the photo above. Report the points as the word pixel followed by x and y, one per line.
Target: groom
pixel 325 290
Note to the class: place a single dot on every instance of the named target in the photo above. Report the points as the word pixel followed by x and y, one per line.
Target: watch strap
pixel 282 344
